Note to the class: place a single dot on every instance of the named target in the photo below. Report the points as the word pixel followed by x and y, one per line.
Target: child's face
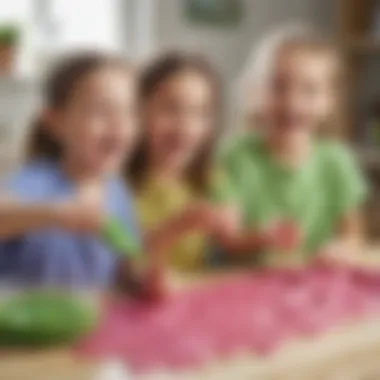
pixel 298 96
pixel 97 126
pixel 179 118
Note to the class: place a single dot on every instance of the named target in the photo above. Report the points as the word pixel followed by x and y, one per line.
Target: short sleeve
pixel 225 177
pixel 349 188
pixel 15 185
pixel 121 206
pixel 32 182
pixel 221 188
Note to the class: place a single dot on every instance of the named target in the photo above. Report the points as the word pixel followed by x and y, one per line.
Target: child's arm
pixel 17 218
pixel 234 239
pixel 203 216
pixel 243 242
pixel 348 243
pixel 348 193
pixel 281 236
pixel 351 227
pixel 142 271
pixel 229 233
pixel 199 216
pixel 222 223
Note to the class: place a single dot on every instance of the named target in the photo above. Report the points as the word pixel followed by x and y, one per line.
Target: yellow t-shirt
pixel 159 200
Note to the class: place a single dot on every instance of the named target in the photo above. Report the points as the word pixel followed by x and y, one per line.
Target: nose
pixel 294 100
pixel 118 126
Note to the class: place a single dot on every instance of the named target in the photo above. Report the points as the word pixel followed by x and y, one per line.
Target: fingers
pixel 91 194
pixel 284 235
pixel 227 221
pixel 338 254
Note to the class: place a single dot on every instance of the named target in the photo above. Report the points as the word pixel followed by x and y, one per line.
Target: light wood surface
pixel 350 352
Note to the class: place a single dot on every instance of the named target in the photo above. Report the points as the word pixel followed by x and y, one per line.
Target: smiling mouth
pixel 175 144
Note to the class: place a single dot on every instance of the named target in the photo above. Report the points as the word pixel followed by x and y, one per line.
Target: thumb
pixel 91 194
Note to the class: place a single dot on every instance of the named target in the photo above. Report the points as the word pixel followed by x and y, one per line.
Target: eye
pixel 171 108
pixel 130 111
pixel 99 108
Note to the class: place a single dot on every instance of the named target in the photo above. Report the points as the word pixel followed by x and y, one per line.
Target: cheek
pixel 132 134
pixel 86 141
pixel 316 110
pixel 80 134
pixel 199 134
pixel 269 106
pixel 130 138
pixel 272 98
pixel 163 125
pixel 274 103
pixel 325 106
pixel 92 134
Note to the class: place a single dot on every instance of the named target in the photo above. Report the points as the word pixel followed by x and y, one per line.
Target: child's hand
pixel 226 222
pixel 284 236
pixel 145 283
pixel 215 220
pixel 339 252
pixel 200 215
pixel 79 216
pixel 84 213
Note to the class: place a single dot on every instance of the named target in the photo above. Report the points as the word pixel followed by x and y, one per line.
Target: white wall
pixel 18 103
pixel 228 49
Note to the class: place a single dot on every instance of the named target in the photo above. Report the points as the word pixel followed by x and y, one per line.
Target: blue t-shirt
pixel 57 257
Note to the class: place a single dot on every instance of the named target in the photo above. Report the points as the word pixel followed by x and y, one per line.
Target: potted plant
pixel 9 38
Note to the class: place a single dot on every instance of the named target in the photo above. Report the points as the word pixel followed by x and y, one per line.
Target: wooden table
pixel 350 352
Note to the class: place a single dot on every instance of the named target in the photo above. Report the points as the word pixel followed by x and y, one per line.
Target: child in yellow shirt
pixel 171 169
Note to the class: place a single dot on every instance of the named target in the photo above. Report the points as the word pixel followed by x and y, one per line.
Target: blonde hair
pixel 261 60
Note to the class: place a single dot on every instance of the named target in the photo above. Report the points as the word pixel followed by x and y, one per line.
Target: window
pixel 52 26
pixel 86 23
pixel 15 11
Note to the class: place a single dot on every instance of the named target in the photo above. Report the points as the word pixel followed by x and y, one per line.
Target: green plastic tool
pixel 120 239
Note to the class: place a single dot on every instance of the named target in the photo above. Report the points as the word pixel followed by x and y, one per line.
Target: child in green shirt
pixel 297 190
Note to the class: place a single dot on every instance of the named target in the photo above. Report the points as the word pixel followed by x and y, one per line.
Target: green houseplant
pixel 9 39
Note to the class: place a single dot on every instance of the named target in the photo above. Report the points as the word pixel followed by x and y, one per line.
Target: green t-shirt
pixel 315 195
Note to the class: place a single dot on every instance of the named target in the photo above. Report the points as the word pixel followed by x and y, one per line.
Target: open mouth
pixel 110 147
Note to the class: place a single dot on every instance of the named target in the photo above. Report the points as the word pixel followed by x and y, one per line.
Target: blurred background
pixel 33 32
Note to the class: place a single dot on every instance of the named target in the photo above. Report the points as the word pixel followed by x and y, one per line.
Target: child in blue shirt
pixel 53 209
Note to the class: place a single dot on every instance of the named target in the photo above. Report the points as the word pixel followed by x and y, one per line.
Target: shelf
pixel 362 46
pixel 18 82
pixel 369 157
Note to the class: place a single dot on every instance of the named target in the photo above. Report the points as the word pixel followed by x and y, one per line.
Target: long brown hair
pixel 56 91
pixel 156 74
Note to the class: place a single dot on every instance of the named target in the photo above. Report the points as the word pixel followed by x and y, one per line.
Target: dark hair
pixel 56 91
pixel 156 74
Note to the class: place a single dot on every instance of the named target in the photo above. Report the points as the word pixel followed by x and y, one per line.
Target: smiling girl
pixel 289 178
pixel 53 210
pixel 172 169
